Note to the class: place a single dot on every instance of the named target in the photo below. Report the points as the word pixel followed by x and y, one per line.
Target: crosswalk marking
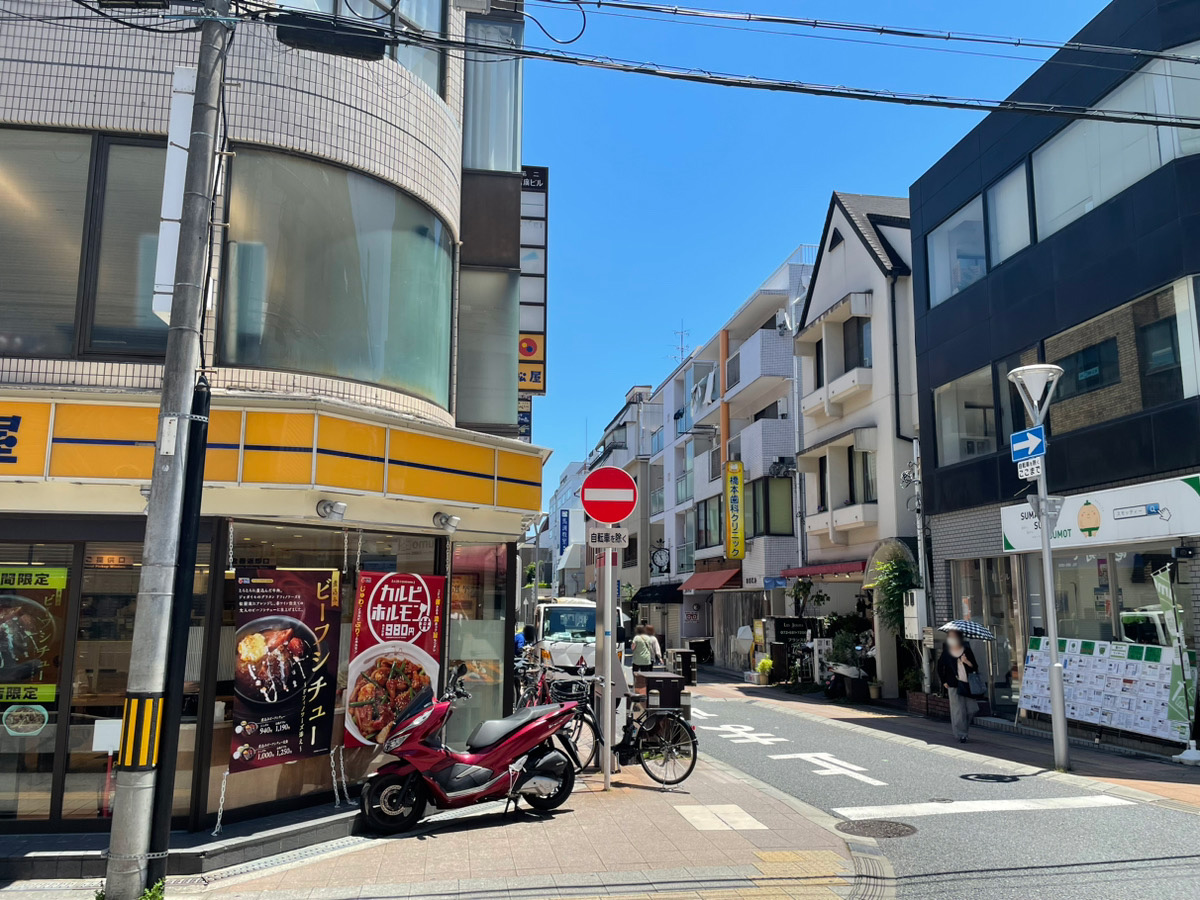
pixel 720 817
pixel 910 810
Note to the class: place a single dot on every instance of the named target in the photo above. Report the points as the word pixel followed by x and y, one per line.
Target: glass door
pixel 1002 615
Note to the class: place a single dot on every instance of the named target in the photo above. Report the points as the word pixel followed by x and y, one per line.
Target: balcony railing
pixel 714 464
pixel 683 488
pixel 656 442
pixel 735 449
pixel 733 370
pixel 685 558
pixel 656 501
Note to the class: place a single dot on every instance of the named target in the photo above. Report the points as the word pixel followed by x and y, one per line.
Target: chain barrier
pixel 337 798
pixel 221 803
pixel 358 555
pixel 342 766
pixel 345 549
pixel 230 561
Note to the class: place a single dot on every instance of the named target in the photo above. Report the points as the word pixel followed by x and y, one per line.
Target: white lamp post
pixel 1036 385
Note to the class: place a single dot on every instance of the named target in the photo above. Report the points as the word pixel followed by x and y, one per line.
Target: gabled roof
pixel 866 213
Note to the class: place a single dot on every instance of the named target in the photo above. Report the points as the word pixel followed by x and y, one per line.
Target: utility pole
pixel 129 845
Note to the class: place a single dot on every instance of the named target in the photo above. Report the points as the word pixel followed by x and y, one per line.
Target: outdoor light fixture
pixel 446 522
pixel 331 509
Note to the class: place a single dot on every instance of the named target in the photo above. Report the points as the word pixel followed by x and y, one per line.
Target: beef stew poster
pixel 285 665
pixel 395 651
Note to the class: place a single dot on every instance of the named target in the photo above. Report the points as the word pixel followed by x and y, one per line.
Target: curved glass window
pixel 334 273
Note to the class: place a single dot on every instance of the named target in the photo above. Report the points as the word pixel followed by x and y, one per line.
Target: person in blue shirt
pixel 523 639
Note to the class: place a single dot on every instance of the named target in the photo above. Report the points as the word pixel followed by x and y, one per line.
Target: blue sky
pixel 671 201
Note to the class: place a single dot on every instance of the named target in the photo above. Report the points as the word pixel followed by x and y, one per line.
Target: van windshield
pixel 570 623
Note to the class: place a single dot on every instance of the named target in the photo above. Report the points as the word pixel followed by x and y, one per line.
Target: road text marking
pixel 745 734
pixel 833 766
pixel 701 714
pixel 908 810
pixel 720 818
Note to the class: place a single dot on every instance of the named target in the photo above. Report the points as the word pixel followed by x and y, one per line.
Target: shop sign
pixel 32 614
pixel 395 651
pixel 285 665
pixel 735 532
pixel 25 720
pixel 1142 512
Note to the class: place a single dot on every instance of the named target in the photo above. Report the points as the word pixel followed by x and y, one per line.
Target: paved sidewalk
pixel 1177 784
pixel 722 836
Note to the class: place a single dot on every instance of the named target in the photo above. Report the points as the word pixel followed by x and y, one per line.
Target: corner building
pixel 1040 239
pixel 342 336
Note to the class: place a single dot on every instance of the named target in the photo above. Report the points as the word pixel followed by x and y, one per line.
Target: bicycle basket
pixel 563 691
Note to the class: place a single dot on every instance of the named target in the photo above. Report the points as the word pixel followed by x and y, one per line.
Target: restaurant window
pixel 710 523
pixel 768 507
pixel 966 417
pixel 955 253
pixel 856 343
pixel 863 481
pixel 1008 215
pixel 333 273
pixel 1137 357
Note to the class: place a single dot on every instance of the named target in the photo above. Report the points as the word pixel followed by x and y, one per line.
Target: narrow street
pixel 981 830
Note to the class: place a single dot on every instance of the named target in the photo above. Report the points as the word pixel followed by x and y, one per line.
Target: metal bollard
pixel 685 704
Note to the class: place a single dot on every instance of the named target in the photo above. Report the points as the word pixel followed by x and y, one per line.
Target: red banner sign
pixel 285 665
pixel 395 650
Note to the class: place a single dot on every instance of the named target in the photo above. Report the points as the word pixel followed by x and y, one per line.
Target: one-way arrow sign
pixel 1029 444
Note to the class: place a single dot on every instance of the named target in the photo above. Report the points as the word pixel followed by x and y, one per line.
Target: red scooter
pixel 509 758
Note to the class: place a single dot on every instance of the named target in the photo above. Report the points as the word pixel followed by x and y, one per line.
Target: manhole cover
pixel 876 828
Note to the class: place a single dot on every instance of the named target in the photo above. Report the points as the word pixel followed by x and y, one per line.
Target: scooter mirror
pixel 461 670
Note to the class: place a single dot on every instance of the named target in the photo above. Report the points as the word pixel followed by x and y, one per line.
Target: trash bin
pixel 669 686
pixel 683 662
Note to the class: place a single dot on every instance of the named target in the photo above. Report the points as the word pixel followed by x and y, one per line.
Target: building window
pixel 492 98
pixel 1133 358
pixel 863 482
pixel 333 273
pixel 966 417
pixel 710 523
pixel 487 347
pixel 1012 408
pixel 822 484
pixel 629 555
pixel 819 364
pixel 955 252
pixel 768 503
pixel 1008 215
pixel 856 343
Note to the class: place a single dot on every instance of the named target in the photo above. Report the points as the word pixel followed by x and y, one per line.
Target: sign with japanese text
pixel 285 665
pixel 32 615
pixel 395 651
pixel 531 377
pixel 599 538
pixel 564 530
pixel 735 531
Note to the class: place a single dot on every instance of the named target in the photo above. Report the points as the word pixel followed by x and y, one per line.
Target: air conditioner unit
pixel 476 7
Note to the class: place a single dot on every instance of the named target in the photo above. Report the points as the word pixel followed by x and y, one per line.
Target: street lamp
pixel 1036 385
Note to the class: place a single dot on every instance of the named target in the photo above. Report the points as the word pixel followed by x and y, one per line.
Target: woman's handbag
pixel 975 685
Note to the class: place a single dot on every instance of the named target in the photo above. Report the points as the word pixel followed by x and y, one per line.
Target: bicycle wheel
pixel 528 697
pixel 667 748
pixel 582 733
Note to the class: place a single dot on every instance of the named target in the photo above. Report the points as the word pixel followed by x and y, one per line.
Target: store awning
pixel 710 581
pixel 572 558
pixel 659 593
pixel 842 568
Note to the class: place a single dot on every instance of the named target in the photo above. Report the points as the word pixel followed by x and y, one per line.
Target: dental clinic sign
pixel 1142 512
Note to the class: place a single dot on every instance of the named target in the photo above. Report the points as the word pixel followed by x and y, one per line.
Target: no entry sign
pixel 609 495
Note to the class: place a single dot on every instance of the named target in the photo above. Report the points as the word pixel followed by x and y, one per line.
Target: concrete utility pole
pixel 142 720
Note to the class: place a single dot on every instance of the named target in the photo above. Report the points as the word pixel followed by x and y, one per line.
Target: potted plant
pixel 764 670
pixel 875 688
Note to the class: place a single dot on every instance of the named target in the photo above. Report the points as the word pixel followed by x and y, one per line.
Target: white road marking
pixel 701 714
pixel 745 734
pixel 720 818
pixel 830 765
pixel 908 810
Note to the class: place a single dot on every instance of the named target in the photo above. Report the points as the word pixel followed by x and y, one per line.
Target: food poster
pixel 285 665
pixel 33 609
pixel 395 651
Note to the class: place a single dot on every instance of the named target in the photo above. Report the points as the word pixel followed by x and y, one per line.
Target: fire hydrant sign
pixel 285 665
pixel 395 651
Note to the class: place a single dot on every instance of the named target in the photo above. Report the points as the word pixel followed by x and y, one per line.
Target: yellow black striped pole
pixel 141 730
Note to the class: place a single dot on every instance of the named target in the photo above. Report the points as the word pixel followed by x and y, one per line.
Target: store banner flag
pixel 395 651
pixel 285 665
pixel 735 530
pixel 32 621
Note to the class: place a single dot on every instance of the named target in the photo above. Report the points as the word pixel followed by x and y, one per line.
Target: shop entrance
pixel 984 590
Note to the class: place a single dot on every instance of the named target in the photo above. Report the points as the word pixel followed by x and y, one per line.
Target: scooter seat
pixel 493 731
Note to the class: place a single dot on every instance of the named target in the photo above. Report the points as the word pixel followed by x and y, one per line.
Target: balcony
pixel 683 488
pixel 761 443
pixel 656 501
pixel 813 404
pixel 856 381
pixel 685 558
pixel 683 420
pixel 857 515
pixel 656 442
pixel 733 371
pixel 815 523
pixel 714 464
pixel 764 355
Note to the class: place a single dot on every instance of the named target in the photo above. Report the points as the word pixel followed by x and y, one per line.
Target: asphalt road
pixel 1017 837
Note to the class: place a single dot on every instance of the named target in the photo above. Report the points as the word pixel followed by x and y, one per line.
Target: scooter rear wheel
pixel 393 803
pixel 559 797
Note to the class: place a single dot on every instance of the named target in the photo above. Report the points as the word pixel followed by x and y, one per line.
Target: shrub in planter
pixel 764 670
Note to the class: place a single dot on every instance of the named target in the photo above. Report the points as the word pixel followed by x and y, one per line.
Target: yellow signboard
pixel 531 378
pixel 735 530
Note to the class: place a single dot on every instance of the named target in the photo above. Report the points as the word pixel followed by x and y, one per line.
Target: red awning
pixel 842 568
pixel 710 581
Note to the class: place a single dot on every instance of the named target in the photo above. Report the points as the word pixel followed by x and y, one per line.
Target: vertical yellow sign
pixel 735 531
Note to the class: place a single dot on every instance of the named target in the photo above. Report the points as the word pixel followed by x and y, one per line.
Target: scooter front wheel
pixel 394 803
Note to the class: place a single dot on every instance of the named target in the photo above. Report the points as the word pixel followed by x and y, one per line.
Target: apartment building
pixel 856 390
pixel 564 535
pixel 729 401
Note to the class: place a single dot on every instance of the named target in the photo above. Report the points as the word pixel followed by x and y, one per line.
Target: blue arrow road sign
pixel 1029 444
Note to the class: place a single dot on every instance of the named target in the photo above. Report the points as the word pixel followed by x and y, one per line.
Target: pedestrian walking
pixel 955 667
pixel 658 656
pixel 644 647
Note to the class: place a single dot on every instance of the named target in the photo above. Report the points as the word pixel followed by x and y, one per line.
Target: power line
pixel 125 21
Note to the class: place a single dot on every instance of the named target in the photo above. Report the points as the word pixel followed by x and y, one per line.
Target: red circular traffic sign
pixel 609 495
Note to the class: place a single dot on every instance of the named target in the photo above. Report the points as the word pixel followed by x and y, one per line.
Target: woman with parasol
pixel 959 672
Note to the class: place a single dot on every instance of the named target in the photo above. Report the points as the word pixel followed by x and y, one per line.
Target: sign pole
pixel 1058 704
pixel 606 693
